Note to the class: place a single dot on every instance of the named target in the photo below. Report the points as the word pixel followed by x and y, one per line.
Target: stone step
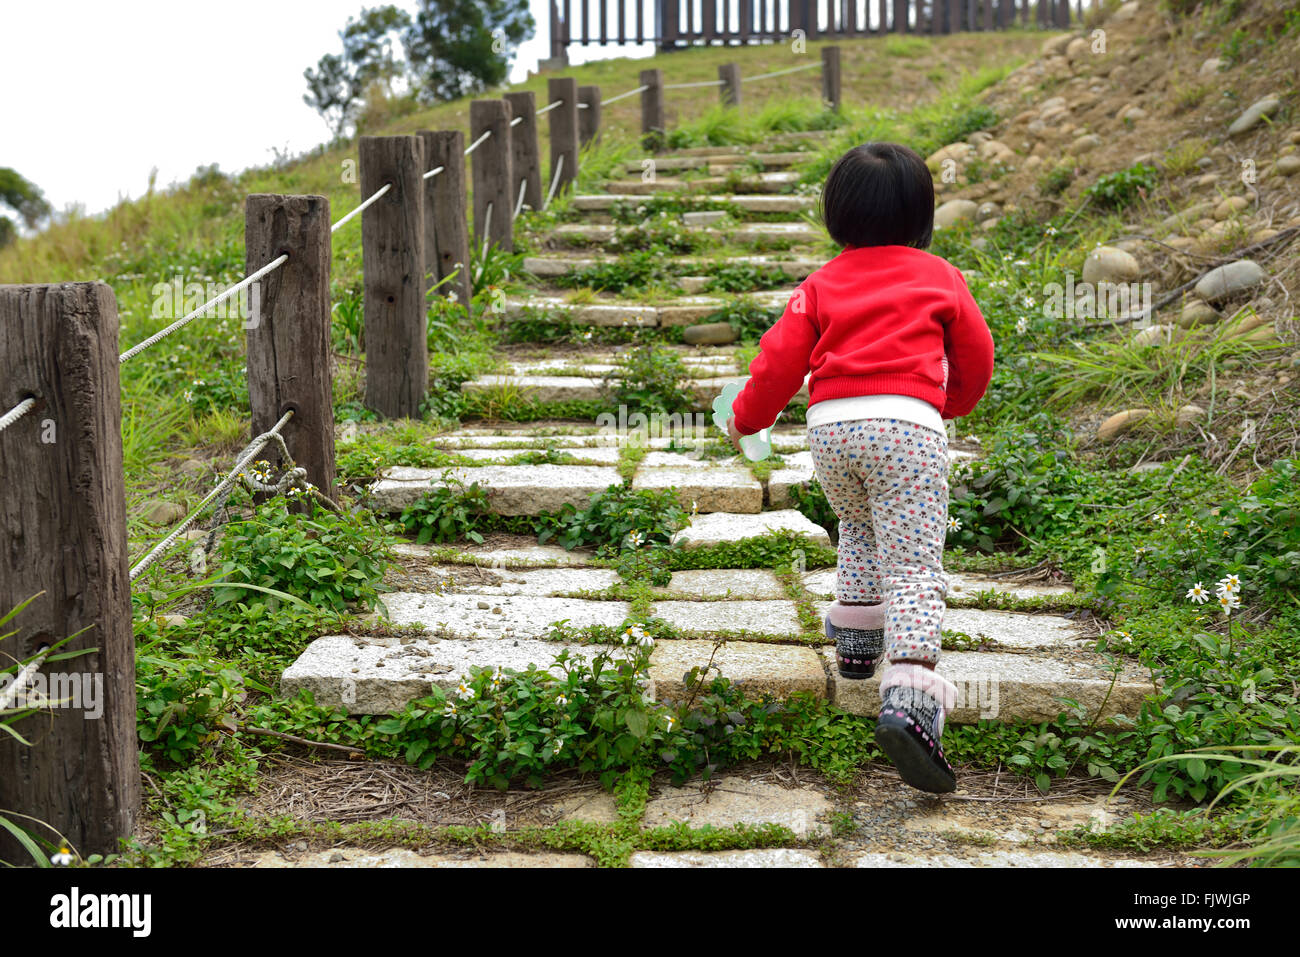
pixel 748 203
pixel 511 489
pixel 718 162
pixel 776 181
pixel 596 234
pixel 372 675
pixel 681 311
pixel 550 266
pixel 960 584
pixel 1004 686
pixel 720 528
pixel 575 388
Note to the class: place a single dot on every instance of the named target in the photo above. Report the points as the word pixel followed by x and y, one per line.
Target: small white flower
pixel 452 297
pixel 464 691
pixel 1022 325
pixel 561 700
pixel 63 858
pixel 1198 594
pixel 558 747
pixel 1050 231
pixel 954 524
pixel 188 396
pixel 635 539
pixel 672 722
pixel 1159 518
pixel 1231 585
pixel 1229 602
pixel 450 711
pixel 645 641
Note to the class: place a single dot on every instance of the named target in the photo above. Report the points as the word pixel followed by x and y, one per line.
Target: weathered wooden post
pixel 564 131
pixel 289 336
pixel 729 87
pixel 525 157
pixel 588 114
pixel 987 13
pixel 652 108
pixel 446 223
pixel 831 77
pixel 494 184
pixel 954 15
pixel 900 16
pixel 393 265
pixel 882 16
pixel 63 533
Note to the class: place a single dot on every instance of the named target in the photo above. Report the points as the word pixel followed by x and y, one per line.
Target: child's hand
pixel 732 433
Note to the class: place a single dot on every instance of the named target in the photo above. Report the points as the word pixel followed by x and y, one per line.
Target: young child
pixel 894 344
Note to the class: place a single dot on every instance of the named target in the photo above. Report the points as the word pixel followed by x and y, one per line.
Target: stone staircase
pixel 494 605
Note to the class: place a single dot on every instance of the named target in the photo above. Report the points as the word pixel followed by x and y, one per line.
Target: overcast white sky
pixel 97 93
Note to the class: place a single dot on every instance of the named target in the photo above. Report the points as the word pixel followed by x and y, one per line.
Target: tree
pixel 336 88
pixel 24 198
pixel 458 47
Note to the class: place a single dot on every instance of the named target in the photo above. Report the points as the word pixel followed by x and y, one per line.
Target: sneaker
pixel 913 703
pixel 857 650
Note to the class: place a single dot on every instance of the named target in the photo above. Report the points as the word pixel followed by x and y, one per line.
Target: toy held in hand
pixel 757 446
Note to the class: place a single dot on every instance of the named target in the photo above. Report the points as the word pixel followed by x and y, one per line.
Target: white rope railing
pixel 555 181
pixel 135 350
pixel 549 106
pixel 478 142
pixel 17 412
pixel 250 454
pixel 768 76
pixel 374 196
pixel 433 172
pixel 584 106
pixel 687 86
pixel 516 121
pixel 19 684
pixel 519 203
pixel 623 96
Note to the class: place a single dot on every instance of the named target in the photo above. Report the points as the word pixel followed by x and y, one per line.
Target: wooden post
pixel 729 88
pixel 446 229
pixel 652 108
pixel 525 158
pixel 831 77
pixel 564 130
pixel 63 532
pixel 900 16
pixel 393 264
pixel 289 338
pixel 493 181
pixel 588 118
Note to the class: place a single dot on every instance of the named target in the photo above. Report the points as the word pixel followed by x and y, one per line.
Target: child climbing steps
pixel 893 344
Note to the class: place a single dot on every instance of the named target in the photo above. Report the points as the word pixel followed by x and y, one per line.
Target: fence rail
pixel 676 24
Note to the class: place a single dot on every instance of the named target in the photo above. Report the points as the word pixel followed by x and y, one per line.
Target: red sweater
pixel 875 320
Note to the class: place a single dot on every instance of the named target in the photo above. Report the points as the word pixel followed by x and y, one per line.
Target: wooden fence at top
pixel 63 531
pixel 676 24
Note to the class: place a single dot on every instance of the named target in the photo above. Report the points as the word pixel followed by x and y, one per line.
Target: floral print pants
pixel 887 480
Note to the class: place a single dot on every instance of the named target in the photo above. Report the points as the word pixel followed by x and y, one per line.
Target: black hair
pixel 879 194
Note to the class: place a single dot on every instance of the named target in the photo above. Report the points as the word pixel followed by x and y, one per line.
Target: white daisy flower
pixel 1022 325
pixel 954 524
pixel 63 858
pixel 1229 602
pixel 561 700
pixel 1198 594
pixel 464 691
pixel 1231 585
